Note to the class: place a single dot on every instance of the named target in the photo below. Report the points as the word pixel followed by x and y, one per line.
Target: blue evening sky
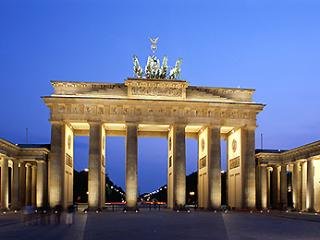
pixel 270 45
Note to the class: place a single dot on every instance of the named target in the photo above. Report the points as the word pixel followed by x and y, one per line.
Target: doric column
pixel 33 185
pixel 296 185
pixel 214 167
pixel 304 185
pixel 263 186
pixel 28 183
pixel 22 183
pixel 4 184
pixel 131 166
pixel 275 202
pixel 209 170
pixel 96 169
pixel 269 189
pixel 283 187
pixel 56 165
pixel 248 167
pixel 310 185
pixel 15 185
pixel 41 183
pixel 177 167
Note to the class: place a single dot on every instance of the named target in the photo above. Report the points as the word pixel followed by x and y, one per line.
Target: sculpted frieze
pixel 159 111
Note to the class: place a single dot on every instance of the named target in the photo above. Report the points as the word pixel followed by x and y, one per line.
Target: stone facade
pixel 162 108
pixel 24 168
pixel 289 175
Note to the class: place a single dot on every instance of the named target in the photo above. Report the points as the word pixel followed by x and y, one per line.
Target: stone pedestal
pixel 283 187
pixel 131 166
pixel 4 184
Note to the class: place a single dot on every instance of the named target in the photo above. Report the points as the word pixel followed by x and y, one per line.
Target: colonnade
pixel 209 165
pixel 273 186
pixel 23 183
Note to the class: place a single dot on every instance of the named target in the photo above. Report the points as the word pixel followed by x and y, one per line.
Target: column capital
pixel 131 124
pixel 249 127
pixel 93 122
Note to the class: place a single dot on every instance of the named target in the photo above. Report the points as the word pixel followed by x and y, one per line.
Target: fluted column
pixel 275 202
pixel 283 187
pixel 214 167
pixel 33 184
pixel 131 166
pixel 248 167
pixel 56 165
pixel 310 185
pixel 22 183
pixel 4 184
pixel 41 183
pixel 296 185
pixel 15 185
pixel 263 186
pixel 28 183
pixel 95 166
pixel 179 164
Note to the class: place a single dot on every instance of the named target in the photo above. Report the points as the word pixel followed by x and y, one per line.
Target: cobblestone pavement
pixel 165 225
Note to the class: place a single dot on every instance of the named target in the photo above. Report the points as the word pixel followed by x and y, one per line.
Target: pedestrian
pixel 69 216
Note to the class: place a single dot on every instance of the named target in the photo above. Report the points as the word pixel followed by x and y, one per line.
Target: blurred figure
pixel 70 215
pixel 57 213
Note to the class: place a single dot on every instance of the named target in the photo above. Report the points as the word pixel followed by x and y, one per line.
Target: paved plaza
pixel 167 225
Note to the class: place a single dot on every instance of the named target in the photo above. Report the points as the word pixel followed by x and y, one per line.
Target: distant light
pixel 191 193
pixel 316 214
pixel 222 171
pixel 15 211
pixel 86 170
pixel 215 211
pixel 251 211
pixel 111 187
pixel 87 193
pixel 188 211
pixel 287 211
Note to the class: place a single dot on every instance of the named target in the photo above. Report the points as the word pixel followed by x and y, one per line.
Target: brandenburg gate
pixel 161 107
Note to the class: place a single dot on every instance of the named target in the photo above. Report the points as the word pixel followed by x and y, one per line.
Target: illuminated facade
pixel 154 107
pixel 289 178
pixel 23 175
